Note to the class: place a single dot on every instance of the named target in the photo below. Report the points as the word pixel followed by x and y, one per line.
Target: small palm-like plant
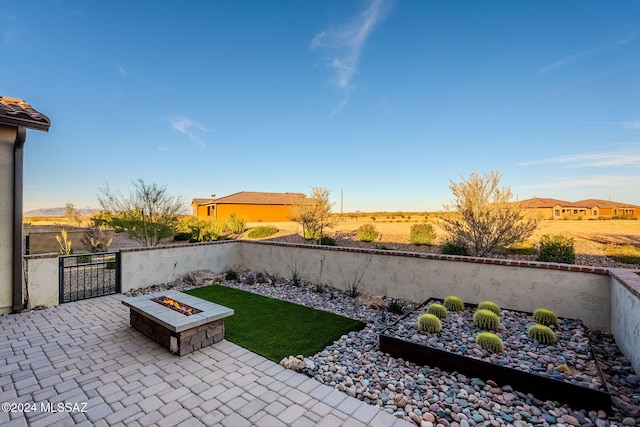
pixel 453 303
pixel 429 323
pixel 437 310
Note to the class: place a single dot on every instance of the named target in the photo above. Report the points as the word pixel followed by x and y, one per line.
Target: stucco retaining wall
pixel 583 292
pixel 41 280
pixel 625 317
pixel 7 138
pixel 143 267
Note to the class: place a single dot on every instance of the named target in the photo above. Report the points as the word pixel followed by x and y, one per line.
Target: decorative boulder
pixel 202 277
pixel 254 277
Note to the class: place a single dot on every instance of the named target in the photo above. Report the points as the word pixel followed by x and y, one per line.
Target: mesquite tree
pixel 481 216
pixel 148 214
pixel 314 214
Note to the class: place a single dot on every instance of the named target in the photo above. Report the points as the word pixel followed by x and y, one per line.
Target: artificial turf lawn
pixel 275 328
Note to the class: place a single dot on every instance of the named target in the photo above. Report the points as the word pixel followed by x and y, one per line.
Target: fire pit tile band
pixel 173 320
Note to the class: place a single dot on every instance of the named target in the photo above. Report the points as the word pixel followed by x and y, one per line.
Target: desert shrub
pixel 395 307
pixel 490 342
pixel 486 319
pixel 453 303
pixel 429 323
pixel 423 234
pixel 437 310
pixel 182 236
pixel 489 305
pixel 543 334
pixel 84 259
pixel 545 317
pixel 231 275
pixel 522 248
pixel 557 248
pixel 454 247
pixel 262 231
pixel 327 241
pixel 627 253
pixel 236 225
pixel 367 233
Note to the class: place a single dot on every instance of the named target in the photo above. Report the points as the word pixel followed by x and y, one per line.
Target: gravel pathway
pixel 428 396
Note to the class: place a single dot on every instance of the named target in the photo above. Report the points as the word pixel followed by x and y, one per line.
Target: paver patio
pixel 85 354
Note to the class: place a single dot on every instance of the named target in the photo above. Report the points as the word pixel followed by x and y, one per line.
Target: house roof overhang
pixel 16 112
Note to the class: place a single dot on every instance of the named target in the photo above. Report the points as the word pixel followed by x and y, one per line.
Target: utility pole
pixel 341 201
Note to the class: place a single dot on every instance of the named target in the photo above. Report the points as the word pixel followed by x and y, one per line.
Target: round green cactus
pixel 453 303
pixel 545 317
pixel 543 334
pixel 429 323
pixel 489 305
pixel 490 342
pixel 486 319
pixel 437 310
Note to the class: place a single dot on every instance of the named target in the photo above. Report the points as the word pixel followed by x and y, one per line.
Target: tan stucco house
pixel 545 208
pixel 16 116
pixel 249 205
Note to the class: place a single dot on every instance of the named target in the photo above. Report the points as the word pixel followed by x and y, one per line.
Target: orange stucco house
pixel 249 205
pixel 546 208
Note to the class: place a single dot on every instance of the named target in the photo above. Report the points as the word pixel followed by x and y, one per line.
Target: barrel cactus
pixel 490 342
pixel 543 334
pixel 453 303
pixel 489 305
pixel 437 310
pixel 486 319
pixel 429 323
pixel 545 317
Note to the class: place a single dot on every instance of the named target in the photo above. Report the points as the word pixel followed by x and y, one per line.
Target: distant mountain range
pixel 56 212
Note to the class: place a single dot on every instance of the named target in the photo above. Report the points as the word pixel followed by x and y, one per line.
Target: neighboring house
pixel 249 205
pixel 545 208
pixel 16 116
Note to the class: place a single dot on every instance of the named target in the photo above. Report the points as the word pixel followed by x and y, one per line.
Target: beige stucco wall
pixel 152 266
pixel 7 138
pixel 625 309
pixel 570 294
pixel 42 280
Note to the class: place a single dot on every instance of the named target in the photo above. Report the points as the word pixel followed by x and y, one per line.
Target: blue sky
pixel 384 100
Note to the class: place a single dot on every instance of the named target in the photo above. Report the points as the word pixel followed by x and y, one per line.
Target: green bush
pixel 236 225
pixel 490 342
pixel 627 253
pixel 327 241
pixel 231 275
pixel 395 307
pixel 437 310
pixel 486 319
pixel 423 234
pixel 454 247
pixel 543 334
pixel 262 231
pixel 367 233
pixel 522 248
pixel 453 303
pixel 489 305
pixel 429 323
pixel 545 317
pixel 183 236
pixel 557 248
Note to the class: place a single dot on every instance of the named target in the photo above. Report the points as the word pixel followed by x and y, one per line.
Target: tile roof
pixel 540 202
pixel 16 112
pixel 592 203
pixel 258 198
pixel 202 201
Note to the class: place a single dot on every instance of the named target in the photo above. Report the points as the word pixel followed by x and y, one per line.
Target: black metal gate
pixel 89 275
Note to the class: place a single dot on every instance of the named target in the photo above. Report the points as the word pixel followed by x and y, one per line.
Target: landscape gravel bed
pixel 426 395
pixel 570 359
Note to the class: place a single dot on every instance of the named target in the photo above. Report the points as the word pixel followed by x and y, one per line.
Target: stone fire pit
pixel 193 324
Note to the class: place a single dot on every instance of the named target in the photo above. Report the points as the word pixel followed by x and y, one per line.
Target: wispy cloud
pixel 121 70
pixel 163 148
pixel 631 125
pixel 620 158
pixel 583 54
pixel 187 127
pixel 614 182
pixel 344 45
